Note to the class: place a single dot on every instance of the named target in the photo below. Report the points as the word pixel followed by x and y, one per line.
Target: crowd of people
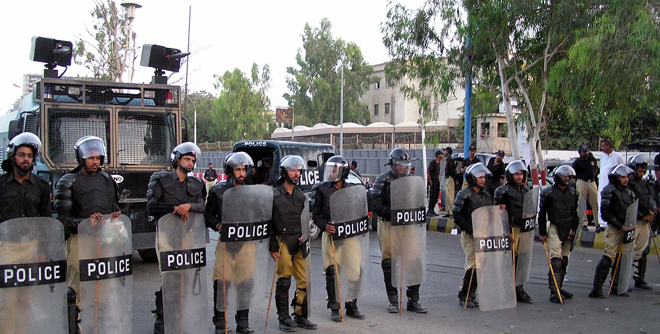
pixel 495 210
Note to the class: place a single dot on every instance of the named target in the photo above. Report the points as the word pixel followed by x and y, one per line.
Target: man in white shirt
pixel 608 160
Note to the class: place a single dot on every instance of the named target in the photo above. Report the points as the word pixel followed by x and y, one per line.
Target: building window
pixel 387 108
pixel 502 130
pixel 485 129
pixel 378 84
pixel 375 109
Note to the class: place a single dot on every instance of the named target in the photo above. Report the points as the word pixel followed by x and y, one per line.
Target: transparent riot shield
pixel 408 232
pixel 106 282
pixel 492 247
pixel 182 259
pixel 242 253
pixel 348 210
pixel 628 249
pixel 526 237
pixel 306 247
pixel 33 276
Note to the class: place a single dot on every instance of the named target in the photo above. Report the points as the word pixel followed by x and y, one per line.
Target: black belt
pixel 588 181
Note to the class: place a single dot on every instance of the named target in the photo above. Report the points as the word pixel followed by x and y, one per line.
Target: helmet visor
pixel 333 171
pixel 401 167
pixel 293 162
pixel 239 159
pixel 92 147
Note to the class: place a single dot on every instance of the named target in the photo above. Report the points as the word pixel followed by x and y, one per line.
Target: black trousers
pixel 433 193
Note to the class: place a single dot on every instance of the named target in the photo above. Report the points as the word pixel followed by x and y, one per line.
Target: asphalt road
pixel 635 314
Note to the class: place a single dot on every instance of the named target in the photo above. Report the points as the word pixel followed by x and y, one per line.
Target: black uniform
pixel 450 169
pixel 380 195
pixel 513 196
pixel 287 225
pixel 164 192
pixel 210 175
pixel 31 198
pixel 585 169
pixel 615 201
pixel 434 171
pixel 466 202
pixel 498 174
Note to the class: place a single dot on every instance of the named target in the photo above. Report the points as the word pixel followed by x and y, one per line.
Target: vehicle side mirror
pixel 15 127
pixel 184 130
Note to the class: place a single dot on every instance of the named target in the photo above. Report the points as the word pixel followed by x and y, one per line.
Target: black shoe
pixel 431 214
pixel 446 216
pixel 555 298
pixel 597 293
pixel 415 307
pixel 287 325
pixel 640 284
pixel 522 296
pixel 353 312
pixel 393 308
pixel 303 322
pixel 565 294
pixel 159 326
pixel 585 228
pixel 470 303
pixel 335 316
pixel 222 331
pixel 243 330
pixel 600 229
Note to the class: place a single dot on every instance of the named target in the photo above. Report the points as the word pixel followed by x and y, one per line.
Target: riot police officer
pixel 175 192
pixel 468 200
pixel 287 244
pixel 17 197
pixel 335 173
pixel 646 212
pixel 511 196
pixel 616 198
pixel 559 205
pixel 242 263
pixel 400 163
pixel 85 192
pixel 22 194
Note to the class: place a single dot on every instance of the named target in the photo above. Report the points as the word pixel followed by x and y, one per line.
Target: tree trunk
pixel 506 100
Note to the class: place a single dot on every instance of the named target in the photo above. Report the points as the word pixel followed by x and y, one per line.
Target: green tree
pixel 315 85
pixel 242 109
pixel 613 69
pixel 202 104
pixel 109 49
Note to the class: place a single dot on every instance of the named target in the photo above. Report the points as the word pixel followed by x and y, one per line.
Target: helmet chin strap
pixel 19 170
pixel 288 179
pixel 184 169
pixel 87 171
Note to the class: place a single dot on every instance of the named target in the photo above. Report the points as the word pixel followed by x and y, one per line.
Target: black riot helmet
pixel 637 161
pixel 290 163
pixel 237 159
pixel 182 149
pixel 87 147
pixel 399 157
pixel 336 168
pixel 24 139
pixel 562 171
pixel 617 171
pixel 515 167
pixel 475 171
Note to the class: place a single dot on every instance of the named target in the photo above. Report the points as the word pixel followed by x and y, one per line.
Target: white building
pixel 387 104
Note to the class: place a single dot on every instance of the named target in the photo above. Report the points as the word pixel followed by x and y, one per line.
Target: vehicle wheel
pixel 148 255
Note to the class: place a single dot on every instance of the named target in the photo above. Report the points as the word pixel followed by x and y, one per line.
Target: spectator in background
pixel 451 181
pixel 608 160
pixel 354 168
pixel 211 177
pixel 412 170
pixel 496 167
pixel 586 169
pixel 433 176
pixel 472 159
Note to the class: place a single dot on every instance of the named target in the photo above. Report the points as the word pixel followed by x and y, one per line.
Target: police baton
pixel 616 268
pixel 467 295
pixel 334 258
pixel 554 279
pixel 513 253
pixel 653 240
pixel 224 286
pixel 272 286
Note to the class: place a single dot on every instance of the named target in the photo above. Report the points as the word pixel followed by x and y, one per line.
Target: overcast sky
pixel 234 34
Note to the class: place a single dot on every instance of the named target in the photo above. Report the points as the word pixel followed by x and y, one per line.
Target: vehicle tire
pixel 148 255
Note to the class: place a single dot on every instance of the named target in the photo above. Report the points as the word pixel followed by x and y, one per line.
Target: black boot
pixel 468 289
pixel 352 310
pixel 640 272
pixel 614 277
pixel 158 313
pixel 558 278
pixel 602 270
pixel 218 302
pixel 413 300
pixel 73 312
pixel 333 305
pixel 392 294
pixel 302 319
pixel 522 296
pixel 242 322
pixel 564 266
pixel 282 305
